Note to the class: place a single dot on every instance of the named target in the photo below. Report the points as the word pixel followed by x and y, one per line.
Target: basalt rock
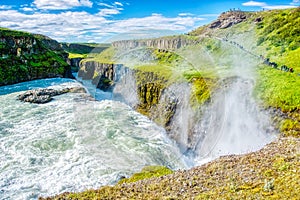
pixel 148 93
pixel 103 75
pixel 75 63
pixel 227 19
pixel 44 95
pixel 173 43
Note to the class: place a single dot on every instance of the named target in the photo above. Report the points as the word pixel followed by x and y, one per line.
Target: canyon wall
pixel 167 105
pixel 173 43
pixel 25 56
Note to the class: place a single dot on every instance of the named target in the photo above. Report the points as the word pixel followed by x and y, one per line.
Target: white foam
pixel 66 145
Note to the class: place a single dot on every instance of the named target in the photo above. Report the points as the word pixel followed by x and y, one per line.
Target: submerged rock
pixel 44 95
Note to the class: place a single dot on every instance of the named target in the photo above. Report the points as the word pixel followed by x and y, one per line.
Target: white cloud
pixel 254 3
pixel 65 26
pixel 279 7
pixel 105 5
pixel 185 14
pixel 108 11
pixel 28 9
pixel 61 4
pixel 118 3
pixel 86 3
pixel 270 7
pixel 5 7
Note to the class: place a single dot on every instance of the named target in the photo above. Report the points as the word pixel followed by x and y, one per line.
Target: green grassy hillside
pixel 83 50
pixel 273 35
pixel 25 56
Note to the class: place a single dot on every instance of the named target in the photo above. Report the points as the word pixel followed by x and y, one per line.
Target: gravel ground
pixel 270 173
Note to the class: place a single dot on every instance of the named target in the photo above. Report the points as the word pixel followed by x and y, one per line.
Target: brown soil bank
pixel 271 173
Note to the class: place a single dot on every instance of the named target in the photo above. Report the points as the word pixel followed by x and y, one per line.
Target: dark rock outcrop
pixel 75 63
pixel 103 75
pixel 149 94
pixel 227 19
pixel 44 95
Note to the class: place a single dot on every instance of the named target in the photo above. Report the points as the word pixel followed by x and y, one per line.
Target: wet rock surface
pixel 45 95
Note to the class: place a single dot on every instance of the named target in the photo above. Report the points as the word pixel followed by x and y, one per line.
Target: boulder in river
pixel 44 95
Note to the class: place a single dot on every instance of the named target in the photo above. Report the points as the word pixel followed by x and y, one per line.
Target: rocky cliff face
pixel 173 43
pixel 74 62
pixel 84 48
pixel 102 74
pixel 25 56
pixel 229 18
pixel 146 92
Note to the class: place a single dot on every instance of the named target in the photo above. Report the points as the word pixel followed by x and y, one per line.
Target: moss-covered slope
pixel 25 56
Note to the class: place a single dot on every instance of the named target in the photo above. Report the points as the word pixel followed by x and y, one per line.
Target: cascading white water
pixel 233 123
pixel 72 144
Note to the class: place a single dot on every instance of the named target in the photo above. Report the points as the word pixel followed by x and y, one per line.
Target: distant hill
pixel 77 50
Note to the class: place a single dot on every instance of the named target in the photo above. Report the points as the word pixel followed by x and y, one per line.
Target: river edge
pixel 272 172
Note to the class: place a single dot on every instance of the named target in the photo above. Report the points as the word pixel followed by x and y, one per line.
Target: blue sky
pixel 106 20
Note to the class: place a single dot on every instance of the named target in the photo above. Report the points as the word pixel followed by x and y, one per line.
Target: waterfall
pixel 125 88
pixel 233 123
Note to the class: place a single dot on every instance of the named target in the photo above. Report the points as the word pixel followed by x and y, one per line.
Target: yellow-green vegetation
pixel 290 127
pixel 279 89
pixel 164 73
pixel 83 50
pixel 166 57
pixel 202 86
pixel 279 31
pixel 106 56
pixel 279 39
pixel 77 55
pixel 291 59
pixel 147 172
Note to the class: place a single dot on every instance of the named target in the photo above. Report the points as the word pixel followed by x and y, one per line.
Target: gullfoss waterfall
pixel 74 143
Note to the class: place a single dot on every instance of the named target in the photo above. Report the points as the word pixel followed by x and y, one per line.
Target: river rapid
pixel 72 143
